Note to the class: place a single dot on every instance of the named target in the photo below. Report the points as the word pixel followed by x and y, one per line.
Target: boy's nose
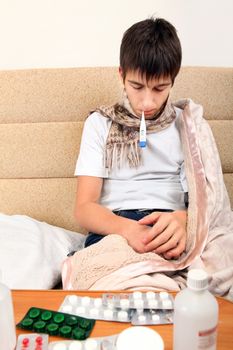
pixel 148 101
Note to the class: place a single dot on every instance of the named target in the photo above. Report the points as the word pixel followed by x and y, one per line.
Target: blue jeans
pixel 133 214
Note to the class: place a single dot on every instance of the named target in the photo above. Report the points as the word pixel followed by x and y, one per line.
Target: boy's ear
pixel 121 74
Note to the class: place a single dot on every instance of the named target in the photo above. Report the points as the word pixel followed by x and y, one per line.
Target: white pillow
pixel 32 252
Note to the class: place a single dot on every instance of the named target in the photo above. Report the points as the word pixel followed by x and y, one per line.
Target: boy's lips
pixel 147 113
pixel 150 113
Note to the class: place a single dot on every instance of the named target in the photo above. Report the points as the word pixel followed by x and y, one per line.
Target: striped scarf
pixel 122 144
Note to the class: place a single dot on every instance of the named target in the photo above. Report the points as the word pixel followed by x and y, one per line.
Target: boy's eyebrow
pixel 165 83
pixel 157 85
pixel 135 82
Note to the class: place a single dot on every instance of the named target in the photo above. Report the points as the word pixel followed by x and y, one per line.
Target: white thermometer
pixel 142 132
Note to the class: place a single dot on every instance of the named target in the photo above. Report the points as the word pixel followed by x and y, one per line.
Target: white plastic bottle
pixel 7 324
pixel 195 315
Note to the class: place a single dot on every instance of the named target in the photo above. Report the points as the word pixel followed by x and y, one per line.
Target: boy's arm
pixel 96 218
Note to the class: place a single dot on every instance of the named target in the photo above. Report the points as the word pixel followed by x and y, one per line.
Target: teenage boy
pixel 137 192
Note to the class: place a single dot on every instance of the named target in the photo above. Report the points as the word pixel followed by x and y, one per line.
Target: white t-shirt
pixel 159 183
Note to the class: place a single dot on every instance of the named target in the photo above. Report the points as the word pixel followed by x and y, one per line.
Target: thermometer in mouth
pixel 142 132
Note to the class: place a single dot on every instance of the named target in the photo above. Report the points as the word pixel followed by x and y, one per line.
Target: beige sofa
pixel 41 118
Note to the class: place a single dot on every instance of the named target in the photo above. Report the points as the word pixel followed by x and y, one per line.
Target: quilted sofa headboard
pixel 41 118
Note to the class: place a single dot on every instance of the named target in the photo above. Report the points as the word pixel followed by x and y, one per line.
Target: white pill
pixel 153 303
pixel 109 298
pixel 106 345
pixel 141 318
pixel 137 295
pixel 80 310
pixel 85 301
pixel 98 302
pixel 122 315
pixel 139 311
pixel 59 346
pixel 150 295
pixel 94 312
pixel 138 303
pixel 155 318
pixel 167 303
pixel 111 305
pixel 67 308
pixel 163 295
pixel 91 344
pixel 73 299
pixel 111 302
pixel 108 314
pixel 124 303
pixel 75 345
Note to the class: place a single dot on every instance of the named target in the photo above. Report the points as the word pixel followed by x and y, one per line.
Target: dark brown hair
pixel 151 47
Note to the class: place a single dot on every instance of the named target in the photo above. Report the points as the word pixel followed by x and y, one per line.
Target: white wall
pixel 69 33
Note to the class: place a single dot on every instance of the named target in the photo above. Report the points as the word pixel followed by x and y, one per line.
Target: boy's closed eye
pixel 140 87
pixel 137 86
pixel 159 88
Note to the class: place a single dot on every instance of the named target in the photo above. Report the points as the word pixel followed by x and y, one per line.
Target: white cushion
pixel 32 252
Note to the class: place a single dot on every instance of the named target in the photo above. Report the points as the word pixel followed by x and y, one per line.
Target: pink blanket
pixel 112 264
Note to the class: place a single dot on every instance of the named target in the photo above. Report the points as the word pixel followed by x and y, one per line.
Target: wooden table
pixel 52 299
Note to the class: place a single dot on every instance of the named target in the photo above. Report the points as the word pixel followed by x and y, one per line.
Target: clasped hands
pixel 161 232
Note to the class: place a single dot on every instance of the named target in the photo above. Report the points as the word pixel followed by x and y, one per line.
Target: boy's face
pixel 148 96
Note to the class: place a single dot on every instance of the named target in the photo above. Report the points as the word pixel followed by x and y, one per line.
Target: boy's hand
pixel 168 234
pixel 135 234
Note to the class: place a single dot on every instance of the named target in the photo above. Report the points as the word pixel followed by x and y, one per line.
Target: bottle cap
pixel 138 338
pixel 197 279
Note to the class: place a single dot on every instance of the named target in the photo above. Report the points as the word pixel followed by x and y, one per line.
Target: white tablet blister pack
pixel 93 308
pixel 100 343
pixel 151 317
pixel 122 307
pixel 139 300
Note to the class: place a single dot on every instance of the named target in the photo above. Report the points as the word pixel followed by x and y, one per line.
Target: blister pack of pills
pixel 56 323
pixel 100 343
pixel 93 308
pixel 139 300
pixel 151 317
pixel 112 307
pixel 33 341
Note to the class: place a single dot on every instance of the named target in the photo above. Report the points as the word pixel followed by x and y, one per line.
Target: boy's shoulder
pixel 98 121
pixel 96 116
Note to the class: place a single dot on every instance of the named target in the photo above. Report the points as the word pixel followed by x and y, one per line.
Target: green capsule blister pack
pixel 56 323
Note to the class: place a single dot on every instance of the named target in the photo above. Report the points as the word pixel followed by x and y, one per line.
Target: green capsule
pixel 39 325
pixel 46 315
pixel 84 323
pixel 79 333
pixel 58 318
pixel 65 331
pixel 71 321
pixel 27 323
pixel 34 313
pixel 52 328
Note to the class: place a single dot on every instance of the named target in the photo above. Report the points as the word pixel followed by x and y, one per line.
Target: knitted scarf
pixel 122 144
